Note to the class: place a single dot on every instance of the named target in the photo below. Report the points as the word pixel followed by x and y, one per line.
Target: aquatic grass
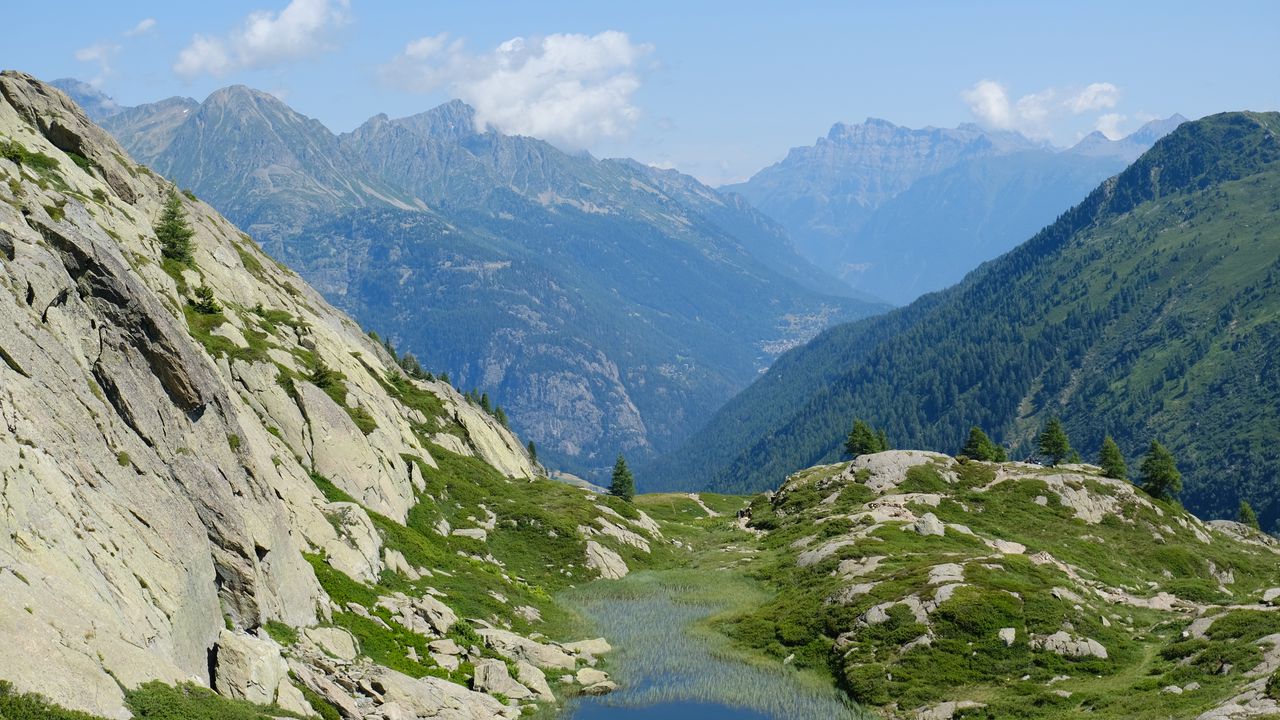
pixel 658 621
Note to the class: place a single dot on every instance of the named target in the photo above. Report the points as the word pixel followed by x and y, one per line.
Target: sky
pixel 715 89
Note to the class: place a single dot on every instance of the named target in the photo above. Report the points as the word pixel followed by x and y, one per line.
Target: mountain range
pixel 899 212
pixel 607 306
pixel 1148 311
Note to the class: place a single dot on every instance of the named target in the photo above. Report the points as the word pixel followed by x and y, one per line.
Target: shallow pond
pixel 666 667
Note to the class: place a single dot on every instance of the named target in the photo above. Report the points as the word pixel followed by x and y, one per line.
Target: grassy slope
pixel 967 660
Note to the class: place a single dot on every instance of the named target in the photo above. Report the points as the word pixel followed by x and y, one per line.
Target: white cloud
pixel 1109 125
pixel 1097 96
pixel 144 26
pixel 99 53
pixel 989 102
pixel 569 89
pixel 301 29
pixel 1036 114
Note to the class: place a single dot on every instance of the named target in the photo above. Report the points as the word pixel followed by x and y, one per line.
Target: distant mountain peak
pixel 1129 147
pixel 95 103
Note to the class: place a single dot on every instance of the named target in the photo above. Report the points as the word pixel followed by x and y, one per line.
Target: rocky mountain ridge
pixel 607 306
pixel 899 212
pixel 212 476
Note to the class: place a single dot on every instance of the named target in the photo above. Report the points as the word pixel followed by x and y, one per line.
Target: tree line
pixel 1159 476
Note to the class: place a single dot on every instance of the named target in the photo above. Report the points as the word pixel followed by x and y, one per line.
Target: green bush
pixel 1247 625
pixel 14 151
pixel 280 632
pixel 157 701
pixel 26 706
pixel 975 614
pixel 923 479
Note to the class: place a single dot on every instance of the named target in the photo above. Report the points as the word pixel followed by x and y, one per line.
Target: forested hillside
pixel 1149 310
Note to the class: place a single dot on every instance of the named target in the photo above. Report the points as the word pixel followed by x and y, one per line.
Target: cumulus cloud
pixel 1097 96
pixel 1034 114
pixel 569 89
pixel 301 29
pixel 1109 125
pixel 100 54
pixel 143 27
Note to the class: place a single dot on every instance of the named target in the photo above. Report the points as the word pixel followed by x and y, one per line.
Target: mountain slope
pixel 1149 310
pixel 209 475
pixel 255 158
pixel 929 236
pixel 608 307
pixel 823 193
pixel 95 103
pixel 899 212
pixel 932 586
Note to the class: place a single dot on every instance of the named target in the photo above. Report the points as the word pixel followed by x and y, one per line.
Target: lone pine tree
pixel 1112 461
pixel 173 231
pixel 623 484
pixel 1160 476
pixel 1054 443
pixel 980 447
pixel 863 440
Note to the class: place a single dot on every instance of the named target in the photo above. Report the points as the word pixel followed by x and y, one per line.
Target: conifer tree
pixel 1248 516
pixel 623 485
pixel 863 440
pixel 173 231
pixel 1112 461
pixel 1160 476
pixel 1054 443
pixel 980 447
pixel 533 452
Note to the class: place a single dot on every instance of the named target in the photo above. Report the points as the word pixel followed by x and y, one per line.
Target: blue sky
pixel 717 89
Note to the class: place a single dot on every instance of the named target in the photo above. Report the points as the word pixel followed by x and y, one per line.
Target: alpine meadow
pixel 571 361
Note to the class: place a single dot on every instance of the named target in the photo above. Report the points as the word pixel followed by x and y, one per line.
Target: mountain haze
pixel 899 212
pixel 1147 311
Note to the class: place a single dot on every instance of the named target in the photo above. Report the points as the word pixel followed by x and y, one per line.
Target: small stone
pixel 334 641
pixel 590 676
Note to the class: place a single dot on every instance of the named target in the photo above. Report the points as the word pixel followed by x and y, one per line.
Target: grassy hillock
pixel 916 579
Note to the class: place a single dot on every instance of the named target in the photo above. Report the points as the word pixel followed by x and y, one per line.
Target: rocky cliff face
pixel 189 449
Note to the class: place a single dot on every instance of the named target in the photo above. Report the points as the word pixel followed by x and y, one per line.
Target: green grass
pixel 280 632
pixel 27 706
pixel 150 701
pixel 157 701
pixel 965 659
pixel 16 152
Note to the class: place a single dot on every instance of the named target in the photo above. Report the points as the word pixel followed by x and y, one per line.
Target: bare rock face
pixel 249 668
pixel 516 647
pixel 156 488
pixel 608 563
pixel 491 676
pixel 1064 643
